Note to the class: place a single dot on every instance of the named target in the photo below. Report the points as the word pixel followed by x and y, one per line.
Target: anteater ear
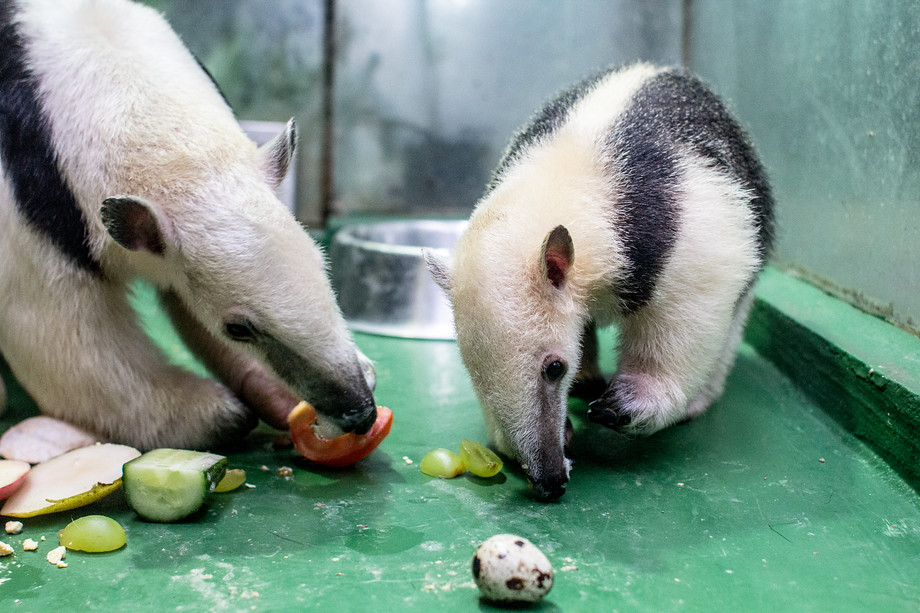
pixel 557 256
pixel 439 267
pixel 277 154
pixel 132 223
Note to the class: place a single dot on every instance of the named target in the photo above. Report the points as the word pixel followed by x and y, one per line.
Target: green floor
pixel 763 504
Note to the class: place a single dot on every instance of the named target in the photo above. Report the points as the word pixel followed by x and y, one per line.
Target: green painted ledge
pixel 863 371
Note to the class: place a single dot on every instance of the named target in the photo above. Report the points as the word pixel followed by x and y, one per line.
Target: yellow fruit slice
pixel 478 459
pixel 234 478
pixel 71 480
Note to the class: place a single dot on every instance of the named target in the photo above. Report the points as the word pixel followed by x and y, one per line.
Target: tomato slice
pixel 342 450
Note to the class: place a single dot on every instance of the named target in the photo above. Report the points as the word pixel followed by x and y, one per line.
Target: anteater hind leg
pixel 715 385
pixel 589 382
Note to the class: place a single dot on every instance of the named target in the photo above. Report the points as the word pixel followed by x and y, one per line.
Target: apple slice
pixel 71 480
pixel 41 438
pixel 12 475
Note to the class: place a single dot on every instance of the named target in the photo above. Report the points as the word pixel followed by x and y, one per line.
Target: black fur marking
pixel 42 195
pixel 543 125
pixel 670 113
pixel 646 165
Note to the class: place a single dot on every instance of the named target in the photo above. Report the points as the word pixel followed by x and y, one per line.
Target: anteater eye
pixel 554 369
pixel 242 331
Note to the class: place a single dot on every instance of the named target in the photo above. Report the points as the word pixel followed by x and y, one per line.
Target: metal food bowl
pixel 382 282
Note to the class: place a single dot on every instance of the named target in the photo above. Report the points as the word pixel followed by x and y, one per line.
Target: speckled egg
pixel 509 568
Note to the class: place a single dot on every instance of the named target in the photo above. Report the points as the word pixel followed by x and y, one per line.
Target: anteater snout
pixel 549 487
pixel 359 422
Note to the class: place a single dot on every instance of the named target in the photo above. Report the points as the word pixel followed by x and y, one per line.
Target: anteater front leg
pixel 73 341
pixel 669 350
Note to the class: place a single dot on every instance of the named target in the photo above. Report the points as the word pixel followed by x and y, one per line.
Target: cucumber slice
pixel 165 485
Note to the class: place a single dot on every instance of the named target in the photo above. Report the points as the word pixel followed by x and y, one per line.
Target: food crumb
pixel 5 550
pixel 264 467
pixel 250 486
pixel 29 545
pixel 407 460
pixel 285 471
pixel 61 564
pixel 13 527
pixel 566 569
pixel 340 574
pixel 821 460
pixel 56 555
pixel 680 485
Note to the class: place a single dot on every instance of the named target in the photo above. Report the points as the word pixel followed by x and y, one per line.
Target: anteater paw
pixel 607 412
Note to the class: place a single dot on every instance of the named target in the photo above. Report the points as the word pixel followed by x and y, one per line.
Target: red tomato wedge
pixel 342 450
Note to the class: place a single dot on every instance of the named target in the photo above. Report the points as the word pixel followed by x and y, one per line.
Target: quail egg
pixel 509 568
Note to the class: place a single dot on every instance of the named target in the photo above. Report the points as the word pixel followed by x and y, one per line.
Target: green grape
pixel 93 533
pixel 479 460
pixel 234 478
pixel 442 463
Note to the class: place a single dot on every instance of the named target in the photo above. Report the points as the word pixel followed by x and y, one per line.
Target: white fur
pixel 674 352
pixel 680 342
pixel 132 113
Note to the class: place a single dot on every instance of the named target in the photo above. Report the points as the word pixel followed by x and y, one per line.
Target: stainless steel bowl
pixel 382 282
